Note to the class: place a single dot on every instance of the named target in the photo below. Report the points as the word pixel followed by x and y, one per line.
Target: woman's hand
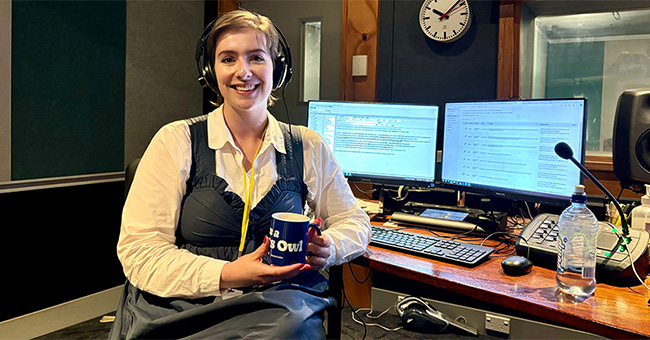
pixel 249 270
pixel 319 247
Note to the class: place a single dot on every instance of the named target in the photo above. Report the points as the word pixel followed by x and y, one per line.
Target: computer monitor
pixel 380 143
pixel 506 148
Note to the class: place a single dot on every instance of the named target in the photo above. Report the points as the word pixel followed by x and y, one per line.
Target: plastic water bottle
pixel 576 247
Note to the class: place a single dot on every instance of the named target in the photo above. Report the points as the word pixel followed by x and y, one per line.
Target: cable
pixel 527 245
pixel 375 317
pixel 399 197
pixel 407 190
pixel 465 233
pixel 365 192
pixel 370 310
pixel 286 111
pixel 355 277
pixel 618 198
pixel 528 208
pixel 365 329
pixel 629 256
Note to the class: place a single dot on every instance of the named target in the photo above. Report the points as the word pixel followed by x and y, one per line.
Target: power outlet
pixel 497 323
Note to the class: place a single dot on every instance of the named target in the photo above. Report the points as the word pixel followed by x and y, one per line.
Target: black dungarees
pixel 210 225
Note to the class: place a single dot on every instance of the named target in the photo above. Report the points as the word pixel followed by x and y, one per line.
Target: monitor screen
pixel 506 148
pixel 380 142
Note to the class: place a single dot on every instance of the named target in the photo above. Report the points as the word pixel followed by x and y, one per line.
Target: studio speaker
pixel 631 154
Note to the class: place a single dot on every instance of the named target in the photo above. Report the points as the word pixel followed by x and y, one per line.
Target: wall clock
pixel 445 20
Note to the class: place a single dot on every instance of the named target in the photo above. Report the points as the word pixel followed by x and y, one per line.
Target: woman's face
pixel 244 69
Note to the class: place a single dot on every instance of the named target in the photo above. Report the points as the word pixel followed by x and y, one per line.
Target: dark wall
pixel 59 245
pixel 414 69
pixel 67 98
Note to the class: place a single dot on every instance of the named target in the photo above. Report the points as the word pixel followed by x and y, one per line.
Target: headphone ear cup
pixel 209 76
pixel 410 301
pixel 279 73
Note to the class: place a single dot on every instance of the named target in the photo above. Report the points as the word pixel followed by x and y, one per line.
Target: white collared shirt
pixel 150 259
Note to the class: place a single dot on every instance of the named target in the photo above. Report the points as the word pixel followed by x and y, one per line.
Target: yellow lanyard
pixel 248 197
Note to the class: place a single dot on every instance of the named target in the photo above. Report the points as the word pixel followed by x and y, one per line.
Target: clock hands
pixel 437 12
pixel 452 7
pixel 444 23
pixel 446 14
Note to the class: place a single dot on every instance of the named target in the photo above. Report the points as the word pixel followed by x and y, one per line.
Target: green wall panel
pixel 68 76
pixel 575 70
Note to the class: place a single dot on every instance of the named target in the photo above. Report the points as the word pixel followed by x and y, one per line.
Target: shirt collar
pixel 219 135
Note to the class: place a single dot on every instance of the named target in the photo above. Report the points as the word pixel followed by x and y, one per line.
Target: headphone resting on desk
pixel 417 315
pixel 282 71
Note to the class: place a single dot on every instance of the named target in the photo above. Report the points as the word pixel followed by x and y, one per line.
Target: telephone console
pixel 538 242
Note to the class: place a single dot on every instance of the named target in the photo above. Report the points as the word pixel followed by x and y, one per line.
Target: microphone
pixel 612 266
pixel 563 150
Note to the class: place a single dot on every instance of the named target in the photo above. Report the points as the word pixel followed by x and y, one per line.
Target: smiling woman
pixel 244 71
pixel 196 219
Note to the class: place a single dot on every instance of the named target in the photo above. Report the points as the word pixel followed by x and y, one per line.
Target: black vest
pixel 210 219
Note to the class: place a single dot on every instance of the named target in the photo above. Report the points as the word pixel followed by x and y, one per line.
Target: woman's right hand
pixel 249 270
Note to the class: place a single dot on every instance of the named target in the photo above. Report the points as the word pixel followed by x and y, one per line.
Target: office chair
pixel 334 290
pixel 129 173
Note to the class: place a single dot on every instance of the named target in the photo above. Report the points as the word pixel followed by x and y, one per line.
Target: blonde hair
pixel 239 19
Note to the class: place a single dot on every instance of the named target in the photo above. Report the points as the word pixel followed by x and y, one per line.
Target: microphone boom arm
pixel 607 193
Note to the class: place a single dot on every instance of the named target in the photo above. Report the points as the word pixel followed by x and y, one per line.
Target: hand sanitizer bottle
pixel 641 214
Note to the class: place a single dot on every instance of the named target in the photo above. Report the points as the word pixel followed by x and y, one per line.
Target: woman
pixel 180 238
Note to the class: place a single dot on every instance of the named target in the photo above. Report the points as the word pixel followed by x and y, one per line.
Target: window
pixel 311 39
pixel 594 55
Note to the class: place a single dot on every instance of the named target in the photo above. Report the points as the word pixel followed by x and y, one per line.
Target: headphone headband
pixel 282 71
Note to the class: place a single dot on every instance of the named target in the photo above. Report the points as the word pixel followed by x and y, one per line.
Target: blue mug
pixel 288 238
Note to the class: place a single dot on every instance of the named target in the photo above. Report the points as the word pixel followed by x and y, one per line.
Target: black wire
pixel 521 211
pixel 286 111
pixel 618 198
pixel 355 277
pixel 398 198
pixel 466 233
pixel 365 192
pixel 365 328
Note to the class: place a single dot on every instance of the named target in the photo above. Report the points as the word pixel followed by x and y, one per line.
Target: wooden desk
pixel 615 312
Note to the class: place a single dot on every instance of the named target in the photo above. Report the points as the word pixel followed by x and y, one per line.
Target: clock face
pixel 445 20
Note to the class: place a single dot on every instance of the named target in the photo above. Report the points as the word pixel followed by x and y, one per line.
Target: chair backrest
pixel 129 173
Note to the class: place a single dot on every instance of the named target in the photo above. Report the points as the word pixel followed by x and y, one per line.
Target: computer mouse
pixel 516 265
pixel 418 316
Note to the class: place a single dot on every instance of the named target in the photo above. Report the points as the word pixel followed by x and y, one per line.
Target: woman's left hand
pixel 319 247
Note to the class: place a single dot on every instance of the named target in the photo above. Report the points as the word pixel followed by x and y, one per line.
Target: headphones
pixel 282 71
pixel 418 315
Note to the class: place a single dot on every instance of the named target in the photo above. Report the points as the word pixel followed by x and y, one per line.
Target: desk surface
pixel 615 312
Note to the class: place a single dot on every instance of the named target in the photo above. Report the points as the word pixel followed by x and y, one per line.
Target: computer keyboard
pixel 429 246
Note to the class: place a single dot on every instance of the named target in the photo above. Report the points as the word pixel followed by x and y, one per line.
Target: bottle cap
pixel 645 199
pixel 579 195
